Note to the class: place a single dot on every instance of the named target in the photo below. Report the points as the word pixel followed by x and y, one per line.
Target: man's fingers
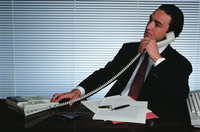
pixel 75 96
pixel 58 97
pixel 146 43
pixel 55 96
pixel 143 43
pixel 142 47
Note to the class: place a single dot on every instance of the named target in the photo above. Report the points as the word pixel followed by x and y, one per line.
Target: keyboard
pixel 193 104
pixel 29 105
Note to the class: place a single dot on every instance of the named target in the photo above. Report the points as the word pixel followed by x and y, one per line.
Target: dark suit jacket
pixel 167 82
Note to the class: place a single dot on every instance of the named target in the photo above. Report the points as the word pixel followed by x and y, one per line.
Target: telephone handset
pixel 169 38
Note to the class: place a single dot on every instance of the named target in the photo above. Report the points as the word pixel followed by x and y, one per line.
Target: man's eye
pixel 157 25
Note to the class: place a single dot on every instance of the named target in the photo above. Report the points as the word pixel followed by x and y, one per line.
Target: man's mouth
pixel 147 34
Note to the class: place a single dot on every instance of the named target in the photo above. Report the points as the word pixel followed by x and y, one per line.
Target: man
pixel 166 79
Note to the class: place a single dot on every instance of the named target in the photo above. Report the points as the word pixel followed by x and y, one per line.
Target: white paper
pixel 135 113
pixel 92 104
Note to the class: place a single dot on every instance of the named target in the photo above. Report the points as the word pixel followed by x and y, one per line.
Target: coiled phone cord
pixel 169 38
pixel 105 84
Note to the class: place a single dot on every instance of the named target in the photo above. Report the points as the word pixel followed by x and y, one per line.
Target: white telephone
pixel 169 38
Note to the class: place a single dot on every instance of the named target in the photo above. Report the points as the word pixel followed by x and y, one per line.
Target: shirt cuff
pixel 159 61
pixel 81 89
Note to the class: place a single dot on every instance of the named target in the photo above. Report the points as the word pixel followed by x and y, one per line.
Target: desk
pixel 46 122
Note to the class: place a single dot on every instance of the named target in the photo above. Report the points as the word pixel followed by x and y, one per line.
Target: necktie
pixel 139 79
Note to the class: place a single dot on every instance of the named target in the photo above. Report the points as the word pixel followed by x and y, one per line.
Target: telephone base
pixel 29 105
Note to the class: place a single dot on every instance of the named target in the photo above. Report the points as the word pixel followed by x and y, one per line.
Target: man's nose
pixel 150 25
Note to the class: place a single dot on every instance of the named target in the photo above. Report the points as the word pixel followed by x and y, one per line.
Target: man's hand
pixel 151 47
pixel 74 94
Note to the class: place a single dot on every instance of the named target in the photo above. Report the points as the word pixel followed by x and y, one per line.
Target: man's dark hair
pixel 177 18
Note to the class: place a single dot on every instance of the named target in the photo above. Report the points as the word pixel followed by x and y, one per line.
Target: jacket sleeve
pixel 102 75
pixel 173 74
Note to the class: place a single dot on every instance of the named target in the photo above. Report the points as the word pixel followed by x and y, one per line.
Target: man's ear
pixel 171 31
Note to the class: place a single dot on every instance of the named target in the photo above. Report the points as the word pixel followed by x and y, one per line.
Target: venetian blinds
pixel 48 47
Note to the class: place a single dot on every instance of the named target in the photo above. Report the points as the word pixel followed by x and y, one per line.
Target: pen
pixel 120 107
pixel 105 107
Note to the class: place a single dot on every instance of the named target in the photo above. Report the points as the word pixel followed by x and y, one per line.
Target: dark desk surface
pixel 46 121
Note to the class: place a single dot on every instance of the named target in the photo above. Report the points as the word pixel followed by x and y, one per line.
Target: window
pixel 48 47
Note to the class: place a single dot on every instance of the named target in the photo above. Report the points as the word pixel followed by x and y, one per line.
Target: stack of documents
pixel 136 112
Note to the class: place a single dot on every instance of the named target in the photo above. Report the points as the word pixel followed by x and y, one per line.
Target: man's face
pixel 158 25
